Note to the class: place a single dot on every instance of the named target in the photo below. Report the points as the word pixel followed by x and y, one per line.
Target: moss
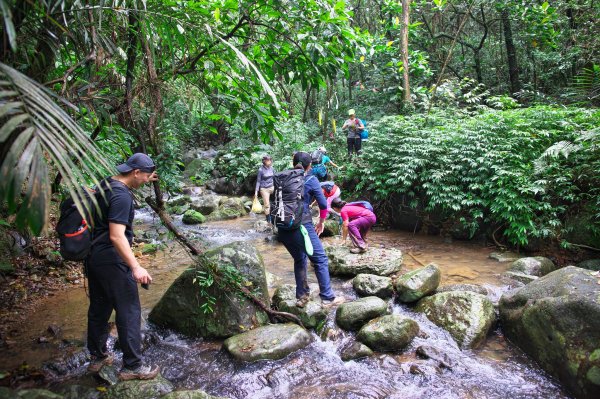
pixel 6 268
pixel 193 217
pixel 595 355
pixel 150 248
pixel 593 375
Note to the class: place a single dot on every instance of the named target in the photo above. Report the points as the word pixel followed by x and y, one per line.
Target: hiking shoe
pixel 97 362
pixel 302 301
pixel 338 300
pixel 358 250
pixel 144 372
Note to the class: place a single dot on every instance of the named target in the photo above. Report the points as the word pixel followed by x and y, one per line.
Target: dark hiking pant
pixel 112 287
pixel 354 145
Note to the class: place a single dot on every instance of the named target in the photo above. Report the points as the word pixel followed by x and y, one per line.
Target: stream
pixel 494 370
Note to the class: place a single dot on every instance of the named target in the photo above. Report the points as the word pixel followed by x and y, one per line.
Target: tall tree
pixel 511 52
pixel 405 66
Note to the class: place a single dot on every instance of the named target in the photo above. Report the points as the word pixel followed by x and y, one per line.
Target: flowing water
pixel 495 370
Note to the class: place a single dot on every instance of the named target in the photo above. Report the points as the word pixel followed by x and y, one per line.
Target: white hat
pixel 322 149
pixel 351 112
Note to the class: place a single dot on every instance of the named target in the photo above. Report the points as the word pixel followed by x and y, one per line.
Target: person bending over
pixel 357 220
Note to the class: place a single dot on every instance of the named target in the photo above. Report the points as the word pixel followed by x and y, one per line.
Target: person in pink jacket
pixel 357 221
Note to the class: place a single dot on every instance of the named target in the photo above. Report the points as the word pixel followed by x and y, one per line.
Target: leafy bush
pixel 480 170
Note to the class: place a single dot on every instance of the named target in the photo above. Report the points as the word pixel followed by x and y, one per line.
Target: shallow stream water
pixel 495 370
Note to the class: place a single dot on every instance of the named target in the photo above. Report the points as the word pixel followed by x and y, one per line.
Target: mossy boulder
pixel 270 342
pixel 467 316
pixel 234 204
pixel 180 308
pixel 416 284
pixel 372 285
pixel 378 261
pixel 6 393
pixel 534 266
pixel 285 292
pixel 520 277
pixel 463 287
pixel 331 227
pixel 353 315
pixel 179 201
pixel 355 350
pixel 134 389
pixel 148 249
pixel 388 333
pixel 196 394
pixel 590 264
pixel 312 314
pixel 178 209
pixel 556 321
pixel 193 217
pixel 206 204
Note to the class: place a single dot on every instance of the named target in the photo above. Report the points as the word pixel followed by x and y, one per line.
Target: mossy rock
pixel 372 285
pixel 416 284
pixel 534 266
pixel 312 314
pixel 353 315
pixel 135 389
pixel 378 261
pixel 206 204
pixel 463 287
pixel 150 248
pixel 225 214
pixel 179 201
pixel 178 209
pixel 556 321
pixel 193 217
pixel 285 292
pixel 79 392
pixel 180 308
pixel 355 350
pixel 467 316
pixel 6 393
pixel 197 394
pixel 590 264
pixel 272 342
pixel 389 333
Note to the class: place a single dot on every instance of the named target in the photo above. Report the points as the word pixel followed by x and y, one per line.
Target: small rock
pixel 355 350
pixel 415 285
pixel 54 330
pixel 353 315
pixel 520 277
pixel 505 256
pixel 430 352
pixel 312 314
pixel 109 374
pixel 388 333
pixel 534 266
pixel 372 285
pixel 147 389
pixel 43 340
pixel 285 292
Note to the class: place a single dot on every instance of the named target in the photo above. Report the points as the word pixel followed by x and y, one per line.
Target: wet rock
pixel 197 394
pixel 6 393
pixel 193 217
pixel 378 261
pixel 433 353
pixel 233 204
pixel 225 214
pixel 193 191
pixel 467 316
pixel 388 333
pixel 331 227
pixel 180 308
pixel 285 292
pixel 355 350
pixel 521 277
pixel 353 315
pixel 463 287
pixel 73 358
pixel 312 314
pixel 109 374
pixel 206 204
pixel 556 321
pixel 178 209
pixel 148 249
pixel 43 340
pixel 590 264
pixel 506 256
pixel 78 392
pixel 421 368
pixel 270 342
pixel 134 389
pixel 262 226
pixel 54 330
pixel 535 266
pixel 416 284
pixel 372 285
pixel 179 201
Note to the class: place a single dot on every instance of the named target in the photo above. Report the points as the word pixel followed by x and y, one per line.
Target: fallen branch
pixel 166 219
pixel 415 258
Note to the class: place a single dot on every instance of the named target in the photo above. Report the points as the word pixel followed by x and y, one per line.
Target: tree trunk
pixel 404 35
pixel 511 52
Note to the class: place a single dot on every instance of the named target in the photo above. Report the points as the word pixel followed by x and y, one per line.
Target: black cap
pixel 303 158
pixel 137 161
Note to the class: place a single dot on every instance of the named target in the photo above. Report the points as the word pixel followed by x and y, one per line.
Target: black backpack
pixel 74 232
pixel 288 202
pixel 317 157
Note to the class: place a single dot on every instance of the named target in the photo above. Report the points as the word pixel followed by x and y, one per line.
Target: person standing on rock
pixel 264 183
pixel 354 126
pixel 357 220
pixel 113 272
pixel 293 240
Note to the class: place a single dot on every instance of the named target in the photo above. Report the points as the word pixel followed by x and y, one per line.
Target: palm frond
pixel 36 132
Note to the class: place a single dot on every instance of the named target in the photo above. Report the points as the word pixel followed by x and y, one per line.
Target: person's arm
pixel 317 193
pixel 360 124
pixel 332 164
pixel 258 180
pixel 345 230
pixel 345 125
pixel 117 236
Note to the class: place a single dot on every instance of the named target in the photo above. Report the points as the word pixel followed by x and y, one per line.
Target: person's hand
pixel 141 275
pixel 319 228
pixel 153 177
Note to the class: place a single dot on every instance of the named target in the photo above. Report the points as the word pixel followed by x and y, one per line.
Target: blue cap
pixel 139 161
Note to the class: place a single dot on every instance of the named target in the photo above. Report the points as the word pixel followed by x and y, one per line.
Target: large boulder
pixel 312 314
pixel 206 204
pixel 388 333
pixel 379 261
pixel 353 315
pixel 182 307
pixel 134 389
pixel 556 321
pixel 416 284
pixel 463 287
pixel 372 285
pixel 534 266
pixel 270 342
pixel 467 316
pixel 192 217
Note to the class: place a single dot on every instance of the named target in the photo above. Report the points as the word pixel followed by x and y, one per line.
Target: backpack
pixel 288 204
pixel 328 186
pixel 363 204
pixel 364 134
pixel 317 157
pixel 73 230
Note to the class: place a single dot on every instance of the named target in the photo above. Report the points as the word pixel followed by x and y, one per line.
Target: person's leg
pixel 367 227
pixel 265 193
pixel 354 228
pixel 350 143
pixel 124 293
pixel 321 264
pixel 358 145
pixel 98 314
pixel 293 241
